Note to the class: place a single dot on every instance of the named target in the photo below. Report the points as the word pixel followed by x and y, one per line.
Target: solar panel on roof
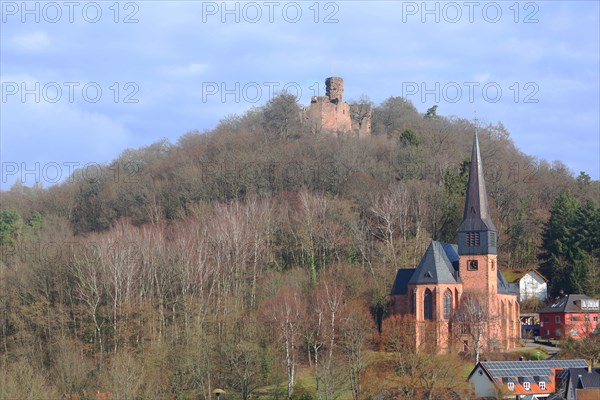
pixel 528 369
pixel 525 379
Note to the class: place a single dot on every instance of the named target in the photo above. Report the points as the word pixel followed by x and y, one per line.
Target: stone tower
pixel 329 113
pixel 334 89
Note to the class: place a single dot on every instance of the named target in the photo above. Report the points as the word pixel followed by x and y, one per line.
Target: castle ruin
pixel 331 114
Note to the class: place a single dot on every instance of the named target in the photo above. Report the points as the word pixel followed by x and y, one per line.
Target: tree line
pixel 261 253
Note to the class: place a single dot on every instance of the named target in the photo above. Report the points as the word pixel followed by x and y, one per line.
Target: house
pixel 578 384
pixel 575 315
pixel 435 293
pixel 519 379
pixel 531 285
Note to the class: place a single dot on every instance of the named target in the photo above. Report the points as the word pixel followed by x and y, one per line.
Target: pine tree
pixel 570 246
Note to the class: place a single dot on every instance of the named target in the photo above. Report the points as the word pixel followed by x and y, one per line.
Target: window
pixel 472 239
pixel 465 345
pixel 547 333
pixel 542 385
pixel 526 386
pixel 511 386
pixel 557 333
pixel 587 318
pixel 575 318
pixel 596 318
pixel 447 304
pixel 546 319
pixel 492 239
pixel 428 305
pixel 557 319
pixel 472 265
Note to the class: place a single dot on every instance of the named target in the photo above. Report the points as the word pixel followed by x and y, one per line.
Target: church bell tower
pixel 477 234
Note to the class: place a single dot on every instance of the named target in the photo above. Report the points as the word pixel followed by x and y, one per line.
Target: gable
pixel 532 277
pixel 482 382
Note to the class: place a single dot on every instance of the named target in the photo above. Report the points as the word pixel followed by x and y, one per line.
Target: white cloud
pixel 32 41
pixel 187 71
pixel 38 133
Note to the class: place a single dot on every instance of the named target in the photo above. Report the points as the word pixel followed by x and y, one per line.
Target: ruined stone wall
pixel 334 89
pixel 329 113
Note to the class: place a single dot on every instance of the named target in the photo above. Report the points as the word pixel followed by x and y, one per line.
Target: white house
pixel 532 285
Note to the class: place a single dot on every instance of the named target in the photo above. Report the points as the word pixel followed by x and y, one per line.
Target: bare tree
pixel 391 217
pixel 357 327
pixel 284 314
pixel 472 321
pixel 361 112
pixel 89 287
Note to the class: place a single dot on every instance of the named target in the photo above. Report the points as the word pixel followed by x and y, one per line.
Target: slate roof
pixel 504 287
pixel 567 304
pixel 476 216
pixel 436 266
pixel 580 378
pixel 401 282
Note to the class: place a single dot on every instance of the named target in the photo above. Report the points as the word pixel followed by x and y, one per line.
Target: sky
pixel 81 81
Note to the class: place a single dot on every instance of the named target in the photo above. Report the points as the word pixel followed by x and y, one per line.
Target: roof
pixel 476 216
pixel 438 265
pixel 401 282
pixel 526 371
pixel 516 275
pixel 581 378
pixel 503 286
pixel 572 303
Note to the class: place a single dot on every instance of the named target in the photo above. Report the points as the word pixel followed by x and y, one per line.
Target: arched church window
pixel 447 304
pixel 428 305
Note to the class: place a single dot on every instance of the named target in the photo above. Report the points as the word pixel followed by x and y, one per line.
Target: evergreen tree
pixel 570 244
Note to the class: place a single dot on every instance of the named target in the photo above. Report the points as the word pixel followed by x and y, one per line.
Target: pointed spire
pixel 476 216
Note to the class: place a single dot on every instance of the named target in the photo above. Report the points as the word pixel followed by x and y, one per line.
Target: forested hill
pixel 421 159
pixel 189 266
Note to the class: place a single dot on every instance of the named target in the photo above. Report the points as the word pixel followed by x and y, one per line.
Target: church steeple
pixel 477 234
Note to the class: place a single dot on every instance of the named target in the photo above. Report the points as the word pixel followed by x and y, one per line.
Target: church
pixel 457 296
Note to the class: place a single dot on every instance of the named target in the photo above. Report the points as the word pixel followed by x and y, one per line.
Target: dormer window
pixel 526 386
pixel 472 239
pixel 542 385
pixel 511 386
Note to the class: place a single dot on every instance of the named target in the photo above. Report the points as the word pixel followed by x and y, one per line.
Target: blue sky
pixel 83 81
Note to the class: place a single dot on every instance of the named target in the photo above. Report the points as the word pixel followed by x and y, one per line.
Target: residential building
pixel 578 384
pixel 519 379
pixel 531 285
pixel 575 315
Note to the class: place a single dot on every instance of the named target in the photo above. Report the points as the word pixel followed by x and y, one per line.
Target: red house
pixel 575 315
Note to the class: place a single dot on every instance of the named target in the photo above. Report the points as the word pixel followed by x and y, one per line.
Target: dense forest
pixel 258 257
